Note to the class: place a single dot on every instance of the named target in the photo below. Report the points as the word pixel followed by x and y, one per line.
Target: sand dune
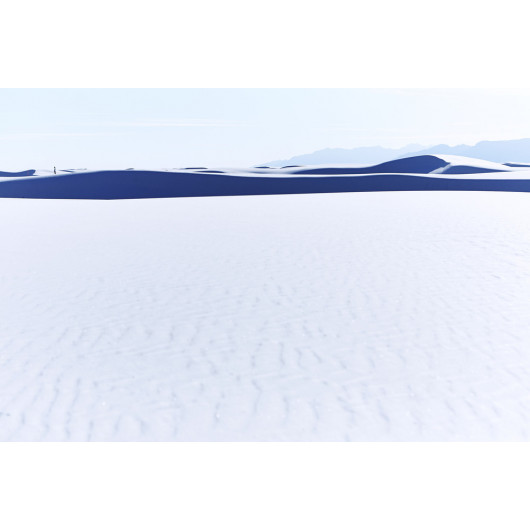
pixel 417 164
pixel 26 173
pixel 381 316
pixel 426 172
pixel 283 317
pixel 516 164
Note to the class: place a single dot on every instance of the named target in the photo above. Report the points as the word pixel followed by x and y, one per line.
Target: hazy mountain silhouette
pixel 493 151
pixel 357 155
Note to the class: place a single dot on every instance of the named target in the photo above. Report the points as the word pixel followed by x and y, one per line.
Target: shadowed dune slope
pixel 26 173
pixel 416 164
pixel 151 184
pixel 429 172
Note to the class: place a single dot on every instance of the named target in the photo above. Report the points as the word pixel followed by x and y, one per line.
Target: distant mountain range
pixel 493 151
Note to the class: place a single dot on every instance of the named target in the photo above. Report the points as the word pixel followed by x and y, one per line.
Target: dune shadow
pixel 26 173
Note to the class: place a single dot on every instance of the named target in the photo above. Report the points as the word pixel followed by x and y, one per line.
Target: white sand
pixel 378 316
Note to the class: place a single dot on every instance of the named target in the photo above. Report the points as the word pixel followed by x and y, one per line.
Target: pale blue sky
pixel 162 128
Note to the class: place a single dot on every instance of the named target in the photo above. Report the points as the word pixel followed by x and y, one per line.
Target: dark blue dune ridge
pixel 26 173
pixel 398 175
pixel 419 164
pixel 515 164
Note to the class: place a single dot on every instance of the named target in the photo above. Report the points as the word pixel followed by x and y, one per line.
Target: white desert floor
pixel 397 316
